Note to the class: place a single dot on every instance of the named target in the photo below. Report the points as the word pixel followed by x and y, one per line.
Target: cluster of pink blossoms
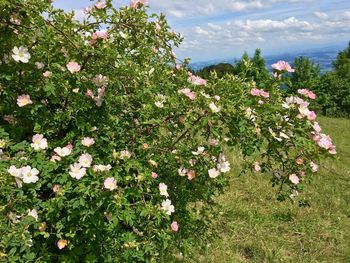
pixel 98 35
pixel 187 92
pixel 282 66
pixel 307 93
pixel 259 93
pixel 195 80
pixel 101 82
pixel 98 6
pixel 135 3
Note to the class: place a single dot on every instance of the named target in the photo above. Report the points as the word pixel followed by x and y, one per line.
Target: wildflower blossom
pixel 125 155
pixel 282 66
pixel 257 167
pixel 187 92
pixel 101 168
pixel 73 67
pixel 29 174
pixel 213 173
pixel 214 108
pixel 163 189
pixel 76 171
pixel 85 160
pixel 61 244
pixel 182 171
pixel 24 100
pixel 174 226
pixel 87 141
pixel 20 54
pixel 33 213
pixel 167 207
pixel 294 179
pixel 39 142
pixel 100 5
pixel 110 183
pixel 63 152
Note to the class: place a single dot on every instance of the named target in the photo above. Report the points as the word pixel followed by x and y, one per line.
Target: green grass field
pixel 254 227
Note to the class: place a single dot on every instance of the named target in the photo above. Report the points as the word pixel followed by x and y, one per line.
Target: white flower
pixel 101 168
pixel 85 160
pixel 14 171
pixel 182 171
pixel 20 54
pixel 223 165
pixel 62 152
pixel 29 174
pixel 199 151
pixel 213 173
pixel 39 142
pixel 314 167
pixel 214 108
pixel 76 171
pixel 159 104
pixel 294 178
pixel 33 213
pixel 163 189
pixel 110 183
pixel 167 207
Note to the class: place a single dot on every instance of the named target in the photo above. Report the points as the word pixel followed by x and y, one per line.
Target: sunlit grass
pixel 255 227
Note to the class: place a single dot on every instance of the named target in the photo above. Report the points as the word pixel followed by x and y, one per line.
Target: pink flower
pixel 178 66
pixel 174 226
pixel 154 175
pixel 85 160
pixel 47 74
pixel 299 161
pixel 73 67
pixel 110 183
pixel 191 175
pixel 24 100
pixel 135 3
pixel 55 158
pixel 307 93
pixel 195 80
pixel 255 92
pixel 282 66
pixel 325 141
pixel 294 179
pixel 56 188
pixel 312 95
pixel 98 35
pixel 311 116
pixel 100 5
pixel 187 92
pixel 100 80
pixel 89 93
pixel 87 141
pixel 316 127
pixel 257 167
pixel 264 94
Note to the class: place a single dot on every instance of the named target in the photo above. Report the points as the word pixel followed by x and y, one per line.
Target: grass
pixel 254 227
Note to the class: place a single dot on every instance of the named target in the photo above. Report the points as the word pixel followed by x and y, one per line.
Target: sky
pixel 224 29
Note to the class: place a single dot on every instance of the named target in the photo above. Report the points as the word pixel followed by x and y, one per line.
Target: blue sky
pixel 226 28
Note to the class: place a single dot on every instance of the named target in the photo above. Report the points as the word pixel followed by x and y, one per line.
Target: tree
pixel 252 68
pixel 306 75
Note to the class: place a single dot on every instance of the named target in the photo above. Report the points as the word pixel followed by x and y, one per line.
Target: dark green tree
pixel 306 75
pixel 334 88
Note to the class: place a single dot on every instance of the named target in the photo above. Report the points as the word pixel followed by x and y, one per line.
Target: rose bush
pixel 107 143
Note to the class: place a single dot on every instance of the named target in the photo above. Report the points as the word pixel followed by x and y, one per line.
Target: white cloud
pixel 321 15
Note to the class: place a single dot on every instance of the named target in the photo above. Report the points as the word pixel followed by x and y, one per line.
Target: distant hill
pixel 324 57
